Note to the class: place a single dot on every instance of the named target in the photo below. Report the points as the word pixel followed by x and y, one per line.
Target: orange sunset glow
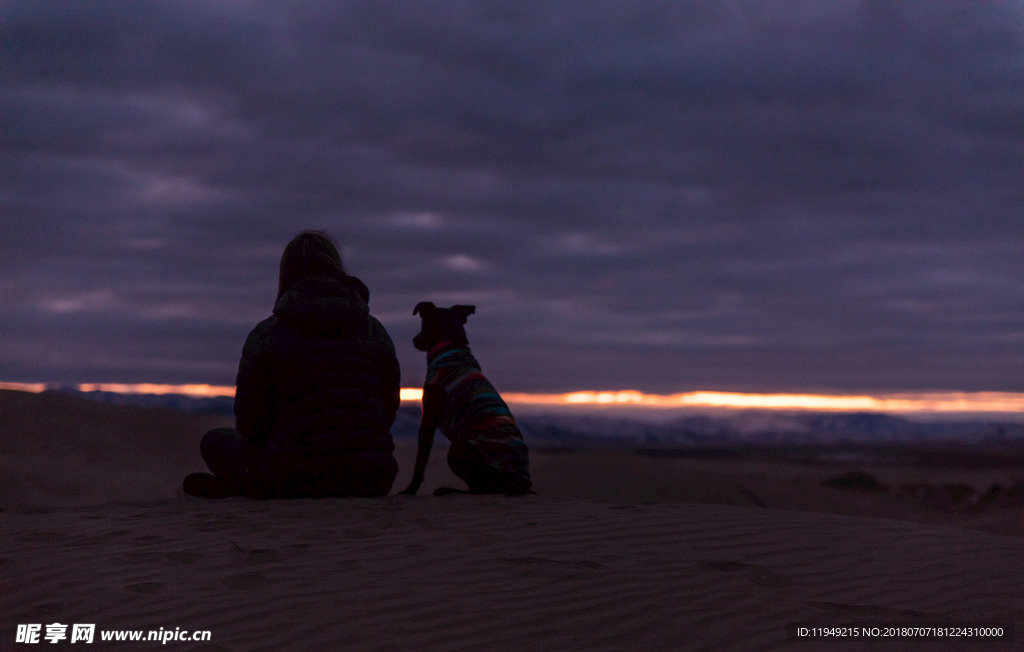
pixel 924 402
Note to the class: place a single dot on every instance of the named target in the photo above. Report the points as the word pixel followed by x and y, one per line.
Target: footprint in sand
pixel 256 556
pixel 245 581
pixel 115 534
pixel 349 564
pixel 263 556
pixel 48 609
pixel 757 574
pixel 544 561
pixel 145 588
pixel 362 533
pixel 42 537
pixel 184 557
pixel 321 535
pixel 867 610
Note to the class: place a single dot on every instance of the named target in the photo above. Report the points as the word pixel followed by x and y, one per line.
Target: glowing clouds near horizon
pixel 411 394
pixel 195 391
pixel 980 402
pixel 34 388
pixel 920 402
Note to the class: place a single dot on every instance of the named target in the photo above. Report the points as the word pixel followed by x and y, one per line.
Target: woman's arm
pixel 254 404
pixel 390 373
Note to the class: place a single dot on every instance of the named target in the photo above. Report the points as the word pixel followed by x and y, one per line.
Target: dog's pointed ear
pixel 463 311
pixel 424 308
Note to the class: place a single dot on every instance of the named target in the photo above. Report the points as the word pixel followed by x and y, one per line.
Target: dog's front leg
pixel 433 405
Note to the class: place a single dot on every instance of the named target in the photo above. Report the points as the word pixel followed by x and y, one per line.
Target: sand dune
pixel 58 450
pixel 475 573
pixel 618 551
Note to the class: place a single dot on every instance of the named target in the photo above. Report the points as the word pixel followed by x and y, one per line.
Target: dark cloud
pixel 653 195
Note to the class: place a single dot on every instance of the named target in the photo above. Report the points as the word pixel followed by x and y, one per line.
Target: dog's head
pixel 441 325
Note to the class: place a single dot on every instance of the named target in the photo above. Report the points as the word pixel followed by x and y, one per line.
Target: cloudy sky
pixel 663 196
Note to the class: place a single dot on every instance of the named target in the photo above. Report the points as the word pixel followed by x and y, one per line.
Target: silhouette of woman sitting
pixel 317 391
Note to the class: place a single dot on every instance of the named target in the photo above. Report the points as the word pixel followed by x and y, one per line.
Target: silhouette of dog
pixel 487 449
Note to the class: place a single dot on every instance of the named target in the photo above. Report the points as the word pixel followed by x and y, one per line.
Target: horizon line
pixel 899 402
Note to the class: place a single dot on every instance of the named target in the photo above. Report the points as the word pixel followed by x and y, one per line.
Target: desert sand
pixel 619 550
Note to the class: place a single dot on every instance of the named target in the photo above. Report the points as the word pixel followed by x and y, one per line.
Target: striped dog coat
pixel 475 413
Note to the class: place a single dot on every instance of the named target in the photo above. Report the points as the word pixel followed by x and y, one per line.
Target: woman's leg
pixel 378 473
pixel 238 463
pixel 370 474
pixel 365 474
pixel 225 452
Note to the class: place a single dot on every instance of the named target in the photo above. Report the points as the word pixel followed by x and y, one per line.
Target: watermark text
pixel 87 633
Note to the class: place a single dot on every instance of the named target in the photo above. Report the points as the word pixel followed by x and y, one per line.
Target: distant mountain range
pixel 180 402
pixel 760 429
pixel 739 428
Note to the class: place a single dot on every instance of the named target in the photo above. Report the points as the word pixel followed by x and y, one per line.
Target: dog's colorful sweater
pixel 475 413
